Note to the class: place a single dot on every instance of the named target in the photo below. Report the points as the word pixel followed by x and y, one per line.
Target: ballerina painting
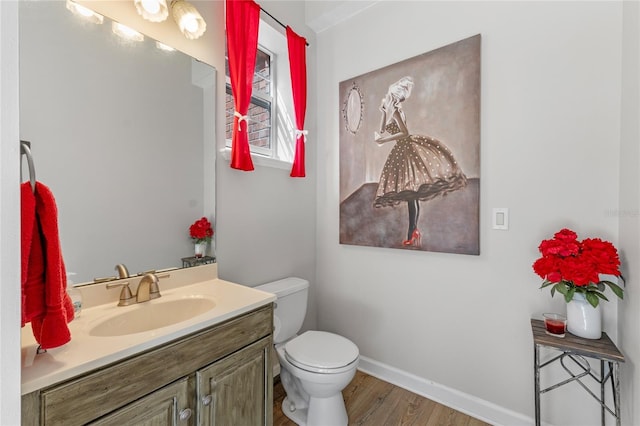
pixel 418 186
pixel 418 168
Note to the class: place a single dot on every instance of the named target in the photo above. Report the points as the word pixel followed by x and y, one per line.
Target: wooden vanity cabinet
pixel 229 391
pixel 220 375
pixel 167 406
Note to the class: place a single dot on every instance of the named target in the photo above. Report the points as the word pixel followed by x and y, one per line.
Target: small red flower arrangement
pixel 571 266
pixel 201 231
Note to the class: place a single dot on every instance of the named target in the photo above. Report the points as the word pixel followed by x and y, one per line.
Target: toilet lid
pixel 321 352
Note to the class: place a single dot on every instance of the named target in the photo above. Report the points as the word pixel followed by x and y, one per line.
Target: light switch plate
pixel 500 218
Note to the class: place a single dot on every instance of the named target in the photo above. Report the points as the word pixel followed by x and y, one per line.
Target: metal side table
pixel 195 261
pixel 575 349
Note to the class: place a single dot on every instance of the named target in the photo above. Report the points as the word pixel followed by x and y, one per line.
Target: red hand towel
pixel 28 222
pixel 46 303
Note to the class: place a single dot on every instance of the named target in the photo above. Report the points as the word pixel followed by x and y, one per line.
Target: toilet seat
pixel 321 352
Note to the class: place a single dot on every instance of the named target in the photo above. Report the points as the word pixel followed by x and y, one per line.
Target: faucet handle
pixel 154 289
pixel 126 297
pixel 104 279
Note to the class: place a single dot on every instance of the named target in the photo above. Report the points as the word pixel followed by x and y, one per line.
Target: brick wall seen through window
pixel 260 107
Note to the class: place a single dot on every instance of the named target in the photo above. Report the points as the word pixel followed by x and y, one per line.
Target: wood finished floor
pixel 373 402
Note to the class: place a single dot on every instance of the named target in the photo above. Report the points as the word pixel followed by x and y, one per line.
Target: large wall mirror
pixel 122 133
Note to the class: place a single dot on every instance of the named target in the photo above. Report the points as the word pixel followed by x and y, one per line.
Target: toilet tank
pixel 290 306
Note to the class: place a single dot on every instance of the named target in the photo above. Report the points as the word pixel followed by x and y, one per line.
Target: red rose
pixel 566 235
pixel 578 264
pixel 579 272
pixel 546 266
pixel 602 254
pixel 566 258
pixel 559 247
pixel 201 229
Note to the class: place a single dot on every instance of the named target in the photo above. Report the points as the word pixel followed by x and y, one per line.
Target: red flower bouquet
pixel 571 266
pixel 201 231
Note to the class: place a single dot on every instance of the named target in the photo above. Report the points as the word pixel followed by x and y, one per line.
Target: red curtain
pixel 243 18
pixel 298 67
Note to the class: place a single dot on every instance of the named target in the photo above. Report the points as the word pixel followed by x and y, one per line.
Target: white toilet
pixel 315 366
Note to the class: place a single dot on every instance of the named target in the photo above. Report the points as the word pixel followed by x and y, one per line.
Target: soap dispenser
pixel 75 295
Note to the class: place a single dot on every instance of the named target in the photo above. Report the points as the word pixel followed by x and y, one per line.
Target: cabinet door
pixel 237 390
pixel 166 406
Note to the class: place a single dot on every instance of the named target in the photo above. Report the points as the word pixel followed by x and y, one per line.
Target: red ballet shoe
pixel 415 241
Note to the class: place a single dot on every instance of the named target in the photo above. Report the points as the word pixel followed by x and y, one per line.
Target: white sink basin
pixel 151 315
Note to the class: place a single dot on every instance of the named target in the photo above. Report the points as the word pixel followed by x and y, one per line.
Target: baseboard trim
pixel 460 401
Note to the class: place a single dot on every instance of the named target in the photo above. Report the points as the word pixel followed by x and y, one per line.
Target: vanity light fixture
pixel 189 20
pixel 152 10
pixel 84 12
pixel 126 32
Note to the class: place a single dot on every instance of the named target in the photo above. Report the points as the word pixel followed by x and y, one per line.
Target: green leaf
pixel 566 291
pixel 546 283
pixel 592 299
pixel 561 288
pixel 615 288
pixel 600 295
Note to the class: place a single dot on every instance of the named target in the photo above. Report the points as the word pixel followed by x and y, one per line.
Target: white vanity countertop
pixel 85 352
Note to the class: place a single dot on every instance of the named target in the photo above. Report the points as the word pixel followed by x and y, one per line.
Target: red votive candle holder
pixel 555 324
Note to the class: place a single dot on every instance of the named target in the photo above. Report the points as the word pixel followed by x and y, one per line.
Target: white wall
pixel 629 213
pixel 551 79
pixel 9 218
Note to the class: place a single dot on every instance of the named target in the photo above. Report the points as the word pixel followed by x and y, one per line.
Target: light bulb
pixel 151 6
pixel 164 47
pixel 152 10
pixel 188 19
pixel 126 32
pixel 189 22
pixel 84 12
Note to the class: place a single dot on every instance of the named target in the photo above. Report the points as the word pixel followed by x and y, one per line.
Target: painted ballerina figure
pixel 418 168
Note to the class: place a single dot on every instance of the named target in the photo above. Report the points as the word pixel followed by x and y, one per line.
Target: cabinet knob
pixel 185 414
pixel 206 400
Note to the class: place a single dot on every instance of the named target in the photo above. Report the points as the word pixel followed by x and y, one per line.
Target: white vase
pixel 584 320
pixel 200 249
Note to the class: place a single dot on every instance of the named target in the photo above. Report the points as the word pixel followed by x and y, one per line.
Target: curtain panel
pixel 298 66
pixel 242 19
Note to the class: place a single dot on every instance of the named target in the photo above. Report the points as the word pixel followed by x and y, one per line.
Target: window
pixel 260 109
pixel 271 121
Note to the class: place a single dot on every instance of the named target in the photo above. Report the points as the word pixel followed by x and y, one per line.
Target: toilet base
pixel 321 412
pixel 298 416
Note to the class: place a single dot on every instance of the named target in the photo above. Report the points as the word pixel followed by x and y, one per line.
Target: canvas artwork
pixel 410 153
